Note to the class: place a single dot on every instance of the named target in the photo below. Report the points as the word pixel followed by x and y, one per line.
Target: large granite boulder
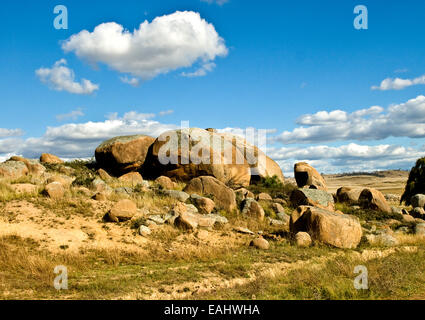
pixel 312 197
pixel 338 230
pixel 189 153
pixel 124 154
pixel 223 196
pixel 373 199
pixel 348 195
pixel 307 176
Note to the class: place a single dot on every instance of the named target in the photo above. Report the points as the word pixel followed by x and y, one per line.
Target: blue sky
pixel 280 65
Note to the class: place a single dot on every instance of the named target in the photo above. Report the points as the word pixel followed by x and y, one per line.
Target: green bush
pixel 416 182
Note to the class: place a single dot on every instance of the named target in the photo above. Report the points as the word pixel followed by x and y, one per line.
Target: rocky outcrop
pixel 50 159
pixel 189 153
pixel 373 199
pixel 13 170
pixel 124 154
pixel 132 178
pixel 307 176
pixel 348 195
pixel 339 230
pixel 312 197
pixel 223 196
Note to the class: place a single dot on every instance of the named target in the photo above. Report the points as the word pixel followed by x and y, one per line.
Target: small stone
pixel 243 230
pixel 420 229
pixel 303 239
pixel 54 190
pixel 260 243
pixel 179 195
pixel 144 231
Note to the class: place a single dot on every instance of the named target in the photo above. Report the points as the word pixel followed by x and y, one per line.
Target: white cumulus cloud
pixel 398 83
pixel 60 78
pixel 73 115
pixel 375 123
pixel 169 42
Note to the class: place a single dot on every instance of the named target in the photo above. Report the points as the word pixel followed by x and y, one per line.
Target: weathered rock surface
pixel 303 239
pixel 179 195
pixel 13 170
pixel 124 154
pixel 54 190
pixel 50 159
pixel 204 205
pixel 243 193
pixel 260 243
pixel 307 176
pixel 252 208
pixel 348 195
pixel 133 178
pixel 196 152
pixel 373 199
pixel 312 197
pixel 339 230
pixel 123 210
pixel 104 175
pixel 223 196
pixel 165 182
pixel 264 196
pixel 418 200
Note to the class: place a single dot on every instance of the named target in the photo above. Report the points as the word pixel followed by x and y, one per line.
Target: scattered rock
pixel 98 185
pixel 104 175
pixel 13 170
pixel 123 210
pixel 223 196
pixel 260 243
pixel 307 176
pixel 418 200
pixel 54 190
pixel 373 199
pixel 339 230
pixel 312 197
pixel 165 182
pixel 133 178
pixel 274 222
pixel 277 208
pixel 124 154
pixel 348 195
pixel 252 208
pixel 396 210
pixel 65 181
pixel 264 196
pixel 189 220
pixel 204 205
pixel 157 219
pixel 144 231
pixel 303 239
pixel 243 230
pixel 392 197
pixel 179 195
pixel 125 191
pixel 284 217
pixel 243 194
pixel 50 159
